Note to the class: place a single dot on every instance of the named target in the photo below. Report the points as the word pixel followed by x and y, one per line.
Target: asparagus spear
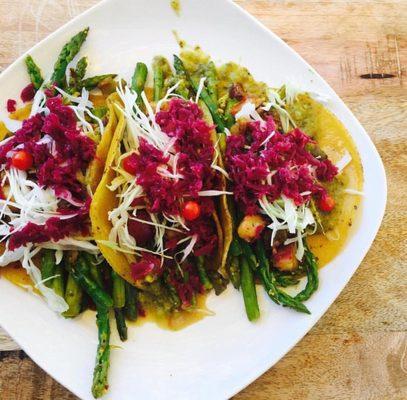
pixel 249 290
pixel 234 271
pixel 92 82
pixel 207 99
pixel 94 270
pixel 121 323
pixel 130 308
pixel 119 301
pixel 81 68
pixel 248 253
pixel 212 81
pixel 269 283
pixel 48 267
pixel 203 276
pixel 67 54
pixel 78 74
pixel 161 71
pixel 58 281
pixel 228 116
pixel 183 83
pixel 73 297
pixel 34 72
pixel 139 80
pixel 311 266
pixel 100 384
pixel 81 275
pixel 219 283
pixel 285 280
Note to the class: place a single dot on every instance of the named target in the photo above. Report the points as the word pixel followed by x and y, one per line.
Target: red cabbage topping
pixel 148 265
pixel 28 93
pixel 293 169
pixel 59 159
pixel 184 121
pixel 54 229
pixel 11 105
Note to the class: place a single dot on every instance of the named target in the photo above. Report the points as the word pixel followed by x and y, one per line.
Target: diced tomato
pixel 191 210
pixel 22 160
pixel 326 203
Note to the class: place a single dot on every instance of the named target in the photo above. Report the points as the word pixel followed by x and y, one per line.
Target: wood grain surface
pixel 358 350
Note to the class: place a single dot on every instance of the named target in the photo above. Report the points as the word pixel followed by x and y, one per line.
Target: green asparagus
pixel 58 281
pixel 234 271
pixel 81 68
pixel 73 297
pixel 161 71
pixel 121 323
pixel 228 116
pixel 249 290
pixel 94 81
pixel 139 80
pixel 100 385
pixel 203 276
pixel 67 54
pixel 205 96
pixel 212 81
pixel 48 267
pixel 284 280
pixel 119 301
pixel 34 72
pixel 311 267
pixel 269 283
pixel 81 275
pixel 218 282
pixel 130 307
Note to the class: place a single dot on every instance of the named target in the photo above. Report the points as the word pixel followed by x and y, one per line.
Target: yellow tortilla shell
pixel 225 225
pixel 97 166
pixel 104 201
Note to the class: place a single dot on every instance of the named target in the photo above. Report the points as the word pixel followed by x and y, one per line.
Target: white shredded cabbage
pixel 275 101
pixel 354 192
pixel 200 88
pixel 55 302
pixel 285 215
pixel 343 162
pixel 249 111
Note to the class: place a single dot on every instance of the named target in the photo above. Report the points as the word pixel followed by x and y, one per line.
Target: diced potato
pixel 251 227
pixel 284 258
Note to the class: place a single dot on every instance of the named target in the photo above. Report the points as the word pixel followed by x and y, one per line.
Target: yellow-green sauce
pixel 176 6
pixel 333 138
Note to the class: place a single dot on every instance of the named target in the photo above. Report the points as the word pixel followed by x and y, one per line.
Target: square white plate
pixel 220 355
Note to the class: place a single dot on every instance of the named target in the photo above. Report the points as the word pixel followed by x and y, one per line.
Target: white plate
pixel 220 355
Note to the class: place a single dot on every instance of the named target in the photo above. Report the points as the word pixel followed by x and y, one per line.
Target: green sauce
pixel 176 6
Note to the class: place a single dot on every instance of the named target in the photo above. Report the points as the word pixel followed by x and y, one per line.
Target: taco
pixel 155 213
pixel 289 198
pixel 52 156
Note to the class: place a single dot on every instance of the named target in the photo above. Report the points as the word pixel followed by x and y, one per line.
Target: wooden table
pixel 359 348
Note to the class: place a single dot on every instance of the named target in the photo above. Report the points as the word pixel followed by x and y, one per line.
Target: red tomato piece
pixel 326 203
pixel 22 160
pixel 191 210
